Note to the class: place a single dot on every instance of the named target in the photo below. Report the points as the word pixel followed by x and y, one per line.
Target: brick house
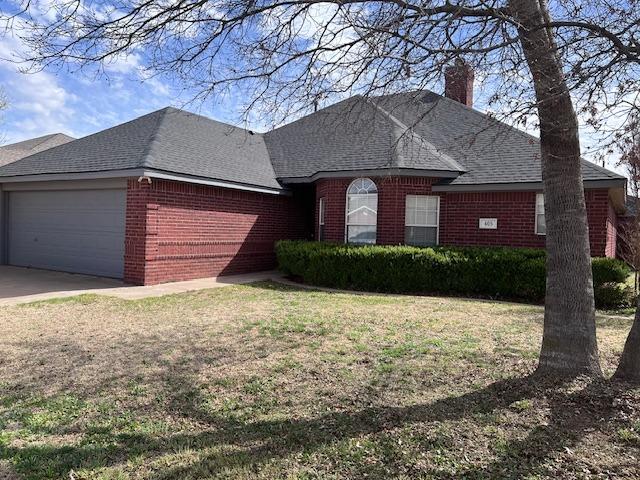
pixel 175 196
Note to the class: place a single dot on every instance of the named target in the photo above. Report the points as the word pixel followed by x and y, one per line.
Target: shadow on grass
pixel 227 444
pixel 247 445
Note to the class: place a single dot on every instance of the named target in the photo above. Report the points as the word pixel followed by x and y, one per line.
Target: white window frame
pixel 437 225
pixel 322 207
pixel 536 214
pixel 346 211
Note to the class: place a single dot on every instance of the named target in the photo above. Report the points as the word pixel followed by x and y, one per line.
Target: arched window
pixel 362 211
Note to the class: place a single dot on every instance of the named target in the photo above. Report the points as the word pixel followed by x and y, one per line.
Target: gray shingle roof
pixel 490 151
pixel 355 134
pixel 170 140
pixel 16 151
pixel 413 131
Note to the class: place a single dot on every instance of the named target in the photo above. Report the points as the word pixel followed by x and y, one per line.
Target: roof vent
pixel 458 83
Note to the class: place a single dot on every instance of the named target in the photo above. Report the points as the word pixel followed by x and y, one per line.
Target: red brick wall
pixel 459 214
pixel 180 231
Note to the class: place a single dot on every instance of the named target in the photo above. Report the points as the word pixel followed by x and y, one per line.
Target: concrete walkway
pixel 24 285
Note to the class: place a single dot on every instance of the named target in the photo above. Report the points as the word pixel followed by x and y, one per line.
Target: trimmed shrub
pixel 609 270
pixel 613 296
pixel 497 272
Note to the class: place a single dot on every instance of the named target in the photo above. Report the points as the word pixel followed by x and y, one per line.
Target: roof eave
pixel 144 172
pixel 374 172
pixel 522 186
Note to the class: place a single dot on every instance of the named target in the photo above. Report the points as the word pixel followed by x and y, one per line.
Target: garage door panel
pixel 62 226
pixel 78 231
pixel 57 243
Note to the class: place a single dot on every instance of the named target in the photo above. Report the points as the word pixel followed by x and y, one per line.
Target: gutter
pixel 143 172
pixel 522 186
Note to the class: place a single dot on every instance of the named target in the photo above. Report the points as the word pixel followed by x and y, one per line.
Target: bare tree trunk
pixel 629 366
pixel 569 344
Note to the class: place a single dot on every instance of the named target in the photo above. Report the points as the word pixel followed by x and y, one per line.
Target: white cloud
pixel 38 98
pixel 42 101
pixel 82 102
pixel 123 64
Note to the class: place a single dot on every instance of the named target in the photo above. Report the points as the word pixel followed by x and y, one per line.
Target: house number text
pixel 488 223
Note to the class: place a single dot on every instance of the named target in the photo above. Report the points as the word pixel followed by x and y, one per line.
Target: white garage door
pixel 80 231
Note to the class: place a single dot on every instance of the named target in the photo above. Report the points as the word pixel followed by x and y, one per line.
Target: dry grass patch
pixel 269 381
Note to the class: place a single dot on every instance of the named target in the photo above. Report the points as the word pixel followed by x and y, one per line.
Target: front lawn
pixel 265 381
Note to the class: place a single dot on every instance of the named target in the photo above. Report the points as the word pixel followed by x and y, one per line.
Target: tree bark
pixel 629 366
pixel 569 345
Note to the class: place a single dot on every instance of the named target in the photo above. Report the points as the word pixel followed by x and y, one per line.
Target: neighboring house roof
pixel 16 151
pixel 419 133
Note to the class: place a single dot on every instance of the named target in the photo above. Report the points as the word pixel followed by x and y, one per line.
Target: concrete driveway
pixel 23 285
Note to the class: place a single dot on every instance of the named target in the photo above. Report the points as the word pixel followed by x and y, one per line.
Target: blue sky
pixel 82 102
pixel 79 103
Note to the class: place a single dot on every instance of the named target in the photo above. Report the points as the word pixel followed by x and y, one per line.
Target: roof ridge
pixel 467 108
pixel 605 170
pixel 147 155
pixel 414 135
pixel 41 139
pixel 487 116
pixel 297 120
pixel 249 131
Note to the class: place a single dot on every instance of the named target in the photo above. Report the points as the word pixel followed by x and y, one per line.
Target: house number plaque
pixel 488 223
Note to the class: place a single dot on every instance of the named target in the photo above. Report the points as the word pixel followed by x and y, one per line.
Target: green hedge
pixel 515 273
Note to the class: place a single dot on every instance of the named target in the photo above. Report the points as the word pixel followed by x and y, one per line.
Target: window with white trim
pixel 541 225
pixel 421 220
pixel 321 213
pixel 362 211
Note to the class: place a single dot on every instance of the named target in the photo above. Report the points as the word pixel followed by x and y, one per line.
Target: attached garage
pixel 78 231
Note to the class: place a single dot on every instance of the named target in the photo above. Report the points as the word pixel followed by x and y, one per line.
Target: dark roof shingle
pixel 355 134
pixel 171 140
pixel 491 151
pixel 411 131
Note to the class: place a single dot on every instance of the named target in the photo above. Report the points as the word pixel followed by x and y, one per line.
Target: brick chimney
pixel 458 83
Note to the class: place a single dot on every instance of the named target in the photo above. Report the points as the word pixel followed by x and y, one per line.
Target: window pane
pixel 362 185
pixel 541 225
pixel 361 234
pixel 432 219
pixel 410 217
pixel 421 210
pixel 322 209
pixel 421 217
pixel 362 209
pixel 421 236
pixel 362 216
